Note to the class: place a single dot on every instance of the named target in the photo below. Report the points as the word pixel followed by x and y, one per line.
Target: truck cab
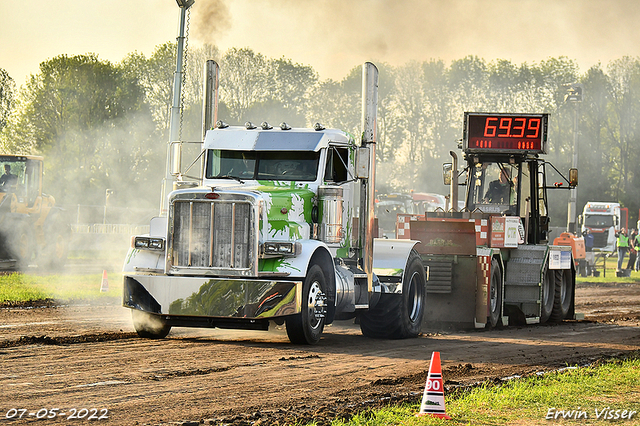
pixel 603 220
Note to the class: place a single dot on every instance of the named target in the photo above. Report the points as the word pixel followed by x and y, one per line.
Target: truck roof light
pixel 266 126
pixel 285 126
pixel 221 124
pixel 318 127
pixel 249 125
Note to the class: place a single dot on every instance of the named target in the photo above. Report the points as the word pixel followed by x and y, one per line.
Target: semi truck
pixel 491 263
pixel 278 230
pixel 604 220
pixel 32 227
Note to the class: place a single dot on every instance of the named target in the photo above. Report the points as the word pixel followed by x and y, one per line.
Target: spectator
pixel 633 253
pixel 588 240
pixel 636 246
pixel 622 243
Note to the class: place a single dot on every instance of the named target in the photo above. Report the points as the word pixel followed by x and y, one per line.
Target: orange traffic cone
pixel 105 283
pixel 433 397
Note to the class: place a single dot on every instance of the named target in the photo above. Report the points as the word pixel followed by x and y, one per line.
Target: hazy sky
pixel 331 35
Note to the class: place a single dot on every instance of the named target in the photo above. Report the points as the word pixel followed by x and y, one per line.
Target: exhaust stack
pixel 453 191
pixel 210 96
pixel 368 144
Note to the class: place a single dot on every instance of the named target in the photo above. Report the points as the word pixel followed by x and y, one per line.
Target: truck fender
pixel 314 252
pixel 390 260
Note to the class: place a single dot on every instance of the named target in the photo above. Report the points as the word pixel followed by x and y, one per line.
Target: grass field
pixel 601 394
pixel 18 287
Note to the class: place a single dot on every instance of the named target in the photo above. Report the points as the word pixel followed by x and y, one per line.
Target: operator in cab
pixel 499 191
pixel 8 179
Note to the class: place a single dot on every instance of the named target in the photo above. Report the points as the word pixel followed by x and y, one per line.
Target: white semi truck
pixel 604 220
pixel 279 229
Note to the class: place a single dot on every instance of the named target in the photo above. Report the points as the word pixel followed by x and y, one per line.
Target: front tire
pixel 306 327
pixel 399 316
pixel 149 326
pixel 57 247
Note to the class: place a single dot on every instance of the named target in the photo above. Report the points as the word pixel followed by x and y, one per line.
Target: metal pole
pixel 571 216
pixel 174 121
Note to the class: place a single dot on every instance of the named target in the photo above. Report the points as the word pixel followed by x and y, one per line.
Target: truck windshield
pixel 263 165
pixel 598 220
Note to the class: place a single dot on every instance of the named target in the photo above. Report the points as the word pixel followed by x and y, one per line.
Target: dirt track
pixel 76 357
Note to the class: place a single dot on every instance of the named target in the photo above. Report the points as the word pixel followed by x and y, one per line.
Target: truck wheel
pixel 398 316
pixel 548 294
pixel 306 327
pixel 149 326
pixel 563 295
pixel 495 295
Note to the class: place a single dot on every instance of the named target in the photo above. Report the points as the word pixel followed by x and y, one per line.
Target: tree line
pixel 104 125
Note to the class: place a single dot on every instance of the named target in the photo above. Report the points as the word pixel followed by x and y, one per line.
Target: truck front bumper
pixel 198 301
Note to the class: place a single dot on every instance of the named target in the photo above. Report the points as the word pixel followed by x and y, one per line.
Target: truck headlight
pixel 278 248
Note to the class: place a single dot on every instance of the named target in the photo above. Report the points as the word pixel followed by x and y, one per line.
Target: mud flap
pixel 135 296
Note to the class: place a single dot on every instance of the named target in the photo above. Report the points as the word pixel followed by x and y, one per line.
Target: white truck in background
pixel 604 220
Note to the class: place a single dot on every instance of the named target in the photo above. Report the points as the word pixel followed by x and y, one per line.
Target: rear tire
pixel 306 327
pixel 399 316
pixel 149 326
pixel 563 295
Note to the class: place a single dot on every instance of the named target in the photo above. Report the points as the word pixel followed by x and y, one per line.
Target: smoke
pixel 336 35
pixel 211 19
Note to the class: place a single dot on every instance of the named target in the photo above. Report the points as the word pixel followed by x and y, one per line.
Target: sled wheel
pixel 563 295
pixel 149 326
pixel 548 294
pixel 495 295
pixel 398 316
pixel 306 327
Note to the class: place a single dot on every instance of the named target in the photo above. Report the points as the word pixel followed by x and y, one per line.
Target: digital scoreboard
pixel 507 133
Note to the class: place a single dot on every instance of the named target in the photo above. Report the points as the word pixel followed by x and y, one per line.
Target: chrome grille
pixel 212 234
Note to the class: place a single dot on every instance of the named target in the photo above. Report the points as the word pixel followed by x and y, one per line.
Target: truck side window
pixel 337 161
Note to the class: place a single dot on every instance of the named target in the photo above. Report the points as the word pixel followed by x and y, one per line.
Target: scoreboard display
pixel 505 133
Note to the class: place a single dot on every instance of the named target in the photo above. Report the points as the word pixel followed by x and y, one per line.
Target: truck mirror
pixel 446 173
pixel 176 158
pixel 573 177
